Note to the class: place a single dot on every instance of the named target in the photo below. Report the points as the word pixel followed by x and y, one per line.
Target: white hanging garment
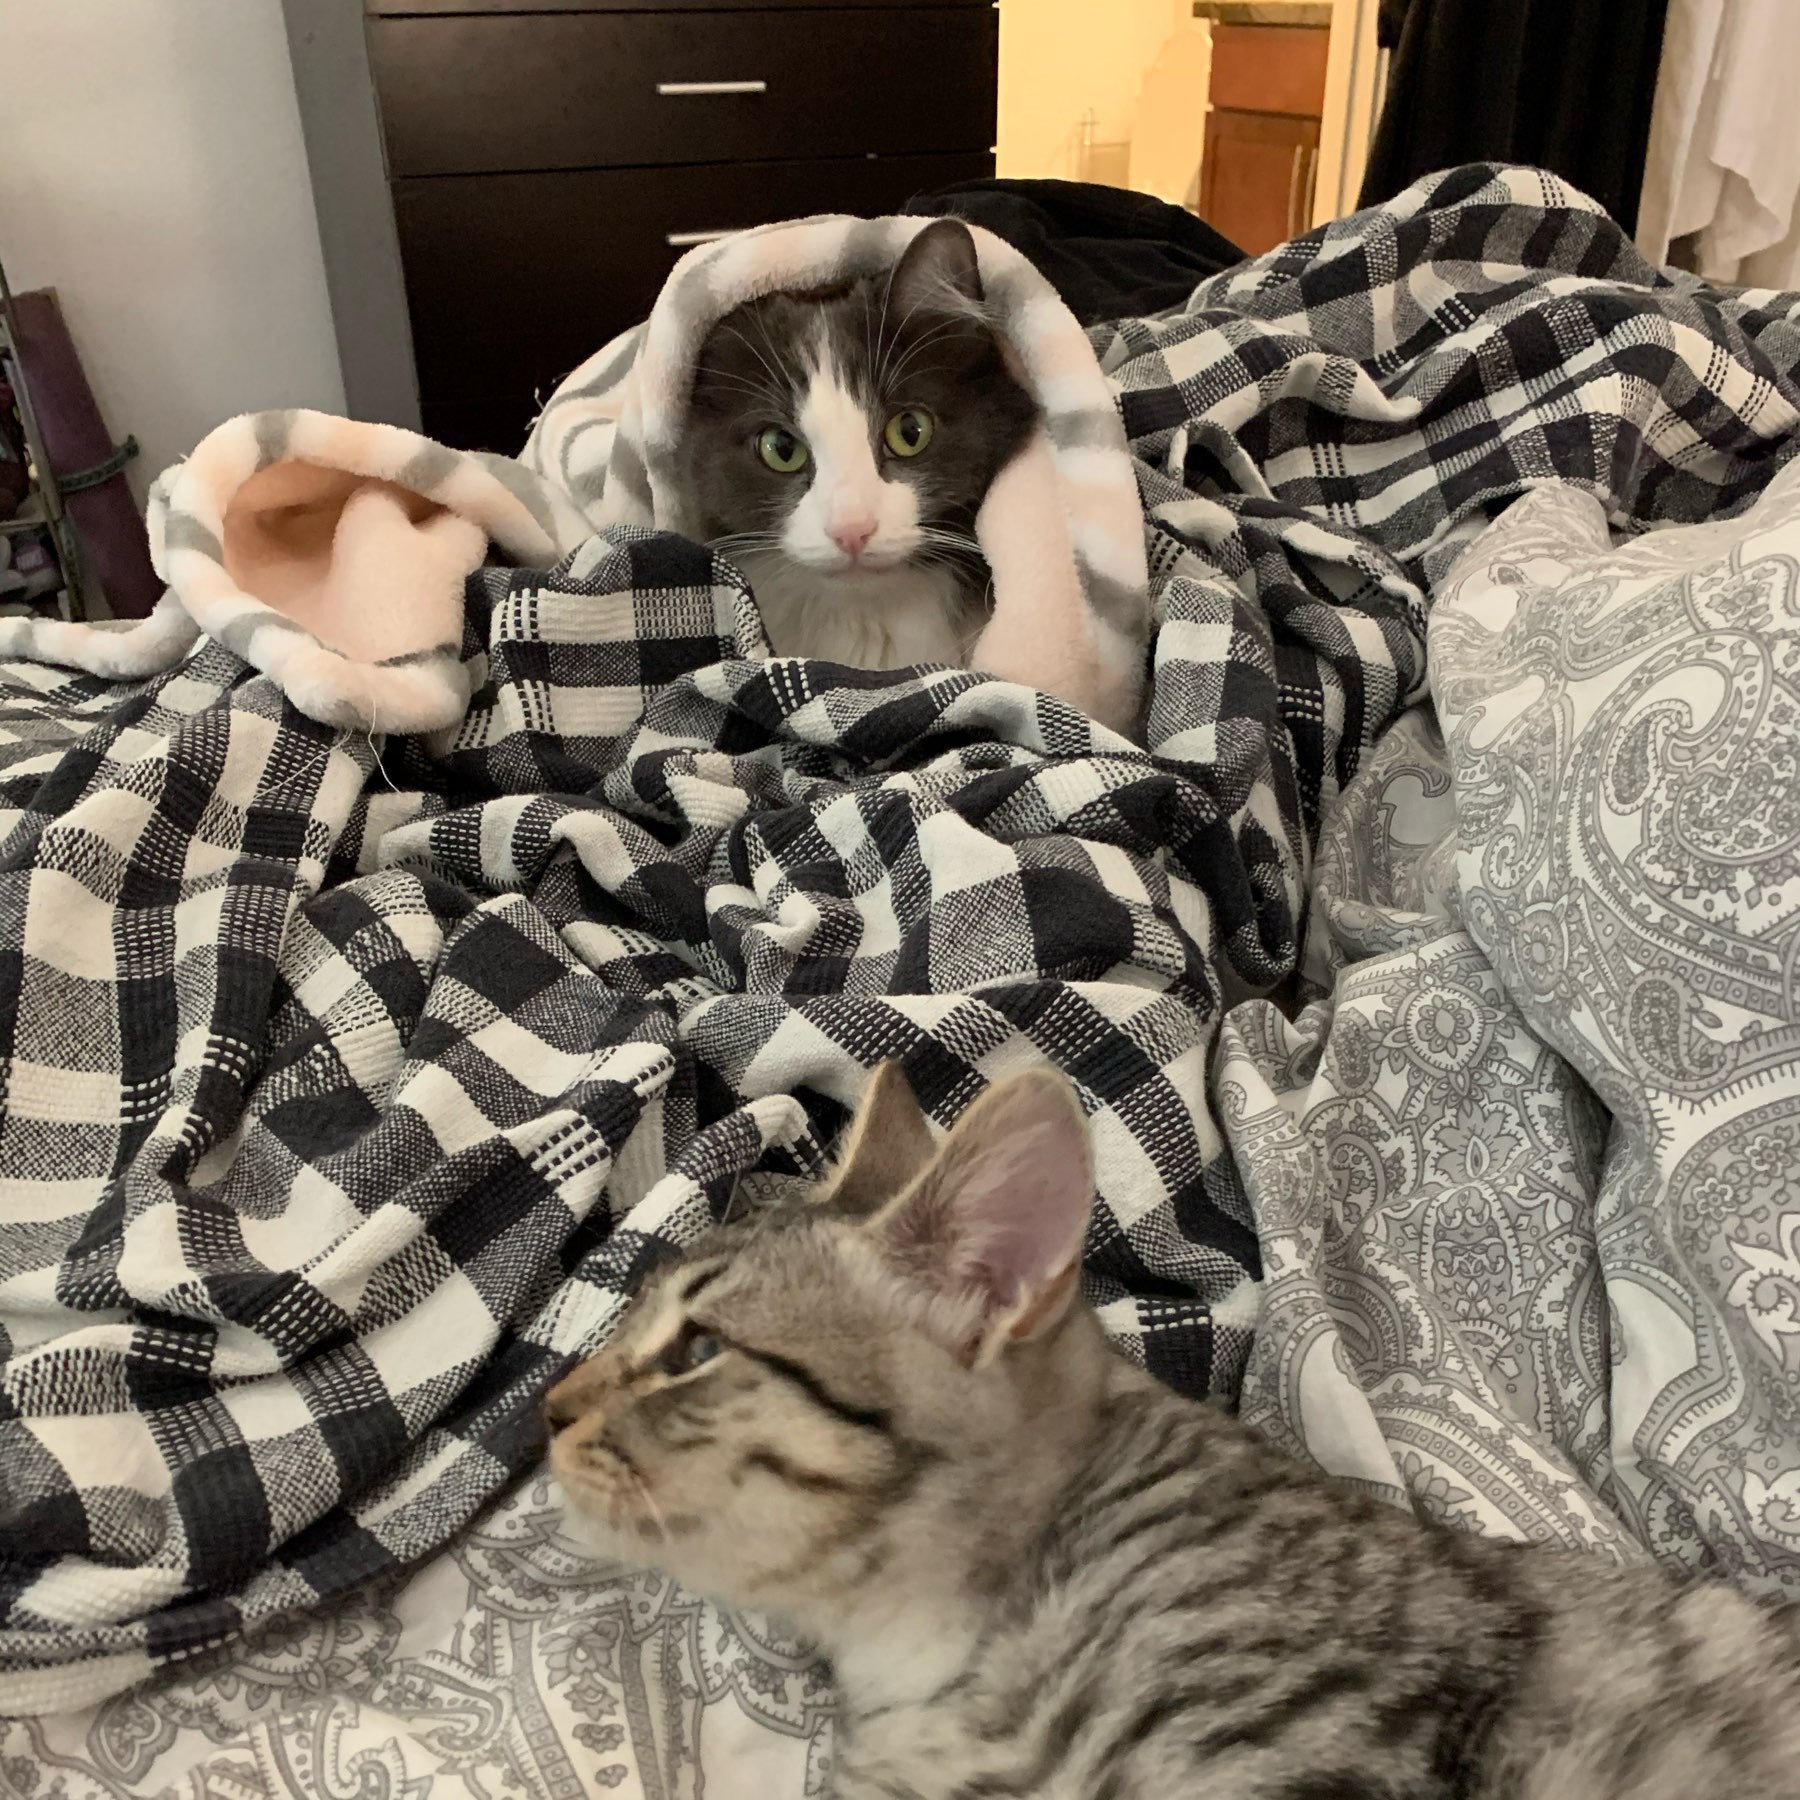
pixel 1724 159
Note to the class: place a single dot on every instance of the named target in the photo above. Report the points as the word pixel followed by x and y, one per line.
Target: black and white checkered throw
pixel 344 1095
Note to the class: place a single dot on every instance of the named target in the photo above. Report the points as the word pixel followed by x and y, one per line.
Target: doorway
pixel 1254 114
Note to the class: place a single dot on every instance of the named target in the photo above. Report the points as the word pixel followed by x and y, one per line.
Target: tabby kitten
pixel 839 445
pixel 889 1418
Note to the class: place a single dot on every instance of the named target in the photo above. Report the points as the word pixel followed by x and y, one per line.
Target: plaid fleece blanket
pixel 346 1092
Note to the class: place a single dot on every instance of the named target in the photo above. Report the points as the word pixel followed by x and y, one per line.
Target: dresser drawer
pixel 402 8
pixel 490 93
pixel 514 279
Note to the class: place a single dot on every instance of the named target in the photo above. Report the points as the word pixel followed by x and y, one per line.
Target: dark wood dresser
pixel 502 185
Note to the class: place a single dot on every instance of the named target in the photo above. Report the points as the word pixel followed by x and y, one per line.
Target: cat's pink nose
pixel 853 538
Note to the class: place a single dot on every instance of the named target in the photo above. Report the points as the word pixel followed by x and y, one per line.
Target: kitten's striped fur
pixel 1041 1574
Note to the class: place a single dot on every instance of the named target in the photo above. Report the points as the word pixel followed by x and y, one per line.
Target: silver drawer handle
pixel 685 240
pixel 712 87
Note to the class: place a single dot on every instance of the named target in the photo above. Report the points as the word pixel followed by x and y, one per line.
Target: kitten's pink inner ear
pixel 1001 1214
pixel 1040 1314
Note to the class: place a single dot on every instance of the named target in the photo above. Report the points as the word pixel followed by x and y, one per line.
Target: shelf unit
pixel 43 506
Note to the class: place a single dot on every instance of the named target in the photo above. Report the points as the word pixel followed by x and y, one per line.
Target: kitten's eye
pixel 781 450
pixel 907 433
pixel 689 1351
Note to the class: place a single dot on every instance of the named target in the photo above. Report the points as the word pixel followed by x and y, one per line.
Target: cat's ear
pixel 889 1147
pixel 939 269
pixel 995 1226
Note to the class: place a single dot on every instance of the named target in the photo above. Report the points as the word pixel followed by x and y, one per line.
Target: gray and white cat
pixel 839 445
pixel 888 1418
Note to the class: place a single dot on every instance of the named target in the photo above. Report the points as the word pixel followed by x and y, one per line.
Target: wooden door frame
pixel 1354 79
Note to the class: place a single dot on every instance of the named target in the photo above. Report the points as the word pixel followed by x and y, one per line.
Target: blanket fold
pixel 330 555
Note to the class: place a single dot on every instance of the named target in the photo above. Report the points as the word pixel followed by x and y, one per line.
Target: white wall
pixel 152 172
pixel 1141 67
pixel 1059 59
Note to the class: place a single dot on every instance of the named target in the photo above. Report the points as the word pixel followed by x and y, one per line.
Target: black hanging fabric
pixel 1108 252
pixel 1563 84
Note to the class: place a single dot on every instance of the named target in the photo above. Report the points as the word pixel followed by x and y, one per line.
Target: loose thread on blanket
pixel 393 786
pixel 369 732
pixel 341 739
pixel 314 766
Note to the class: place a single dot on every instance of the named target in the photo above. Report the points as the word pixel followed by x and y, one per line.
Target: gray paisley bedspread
pixel 500 1670
pixel 1525 1181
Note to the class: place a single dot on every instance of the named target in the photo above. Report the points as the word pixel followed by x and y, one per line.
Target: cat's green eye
pixel 690 1351
pixel 908 432
pixel 781 450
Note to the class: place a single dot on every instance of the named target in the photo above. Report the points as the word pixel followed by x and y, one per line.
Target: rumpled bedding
pixel 519 1015
pixel 1528 1184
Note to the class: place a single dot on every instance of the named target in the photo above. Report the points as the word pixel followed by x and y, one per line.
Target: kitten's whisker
pixel 630 1486
pixel 647 1500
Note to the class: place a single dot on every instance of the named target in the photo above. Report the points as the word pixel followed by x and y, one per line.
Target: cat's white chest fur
pixel 885 620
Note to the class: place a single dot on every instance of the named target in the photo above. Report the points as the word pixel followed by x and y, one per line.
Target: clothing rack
pixel 43 504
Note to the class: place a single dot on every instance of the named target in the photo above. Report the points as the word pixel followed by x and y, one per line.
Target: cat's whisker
pixel 888 374
pixel 781 362
pixel 774 373
pixel 932 333
pixel 762 392
pixel 883 342
pixel 952 322
pixel 900 330
pixel 743 337
pixel 950 543
pixel 891 376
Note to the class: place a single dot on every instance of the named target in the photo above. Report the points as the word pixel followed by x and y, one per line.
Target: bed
pixel 1427 972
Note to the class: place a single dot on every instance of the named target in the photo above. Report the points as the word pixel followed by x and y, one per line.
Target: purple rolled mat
pixel 114 546
pixel 13 485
